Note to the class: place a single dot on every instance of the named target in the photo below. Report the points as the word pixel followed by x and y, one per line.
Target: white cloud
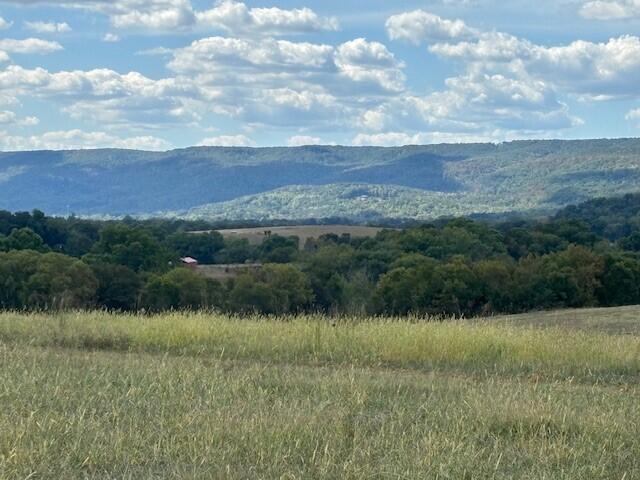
pixel 4 24
pixel 48 27
pixel 302 140
pixel 598 70
pixel 610 10
pixel 591 70
pixel 633 116
pixel 235 17
pixel 487 47
pixel 106 96
pixel 285 83
pixel 418 26
pixel 162 15
pixel 78 139
pixel 29 46
pixel 110 38
pixel 370 62
pixel 210 54
pixel 474 104
pixel 29 121
pixel 388 139
pixel 167 16
pixel 8 117
pixel 398 139
pixel 226 141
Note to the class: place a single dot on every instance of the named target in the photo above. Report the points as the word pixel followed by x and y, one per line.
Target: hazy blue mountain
pixel 321 181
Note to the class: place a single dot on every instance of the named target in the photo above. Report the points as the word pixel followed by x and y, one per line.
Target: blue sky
pixel 160 74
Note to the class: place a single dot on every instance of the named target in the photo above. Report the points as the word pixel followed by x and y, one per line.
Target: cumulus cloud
pixel 209 54
pixel 280 82
pixel 160 15
pixel 487 47
pixel 473 104
pixel 597 70
pixel 78 139
pixel 508 84
pixel 4 24
pixel 610 10
pixel 48 27
pixel 29 46
pixel 226 141
pixel 105 96
pixel 8 117
pixel 633 116
pixel 235 17
pixel 419 26
pixel 234 60
pixel 274 82
pixel 166 16
pixel 370 62
pixel 110 38
pixel 591 70
pixel 387 139
pixel 398 139
pixel 302 140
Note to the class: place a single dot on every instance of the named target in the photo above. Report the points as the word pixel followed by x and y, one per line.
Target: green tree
pixel 275 289
pixel 180 288
pixel 119 287
pixel 61 282
pixel 278 249
pixel 495 282
pixel 620 281
pixel 202 246
pixel 25 239
pixel 32 280
pixel 236 250
pixel 129 246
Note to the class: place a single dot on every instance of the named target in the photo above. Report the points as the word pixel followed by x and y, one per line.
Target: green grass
pixel 205 396
pixel 619 320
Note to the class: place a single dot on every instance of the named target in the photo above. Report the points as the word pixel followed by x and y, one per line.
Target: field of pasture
pixel 194 395
pixel 256 236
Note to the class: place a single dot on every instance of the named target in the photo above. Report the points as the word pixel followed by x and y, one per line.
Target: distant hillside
pixel 361 183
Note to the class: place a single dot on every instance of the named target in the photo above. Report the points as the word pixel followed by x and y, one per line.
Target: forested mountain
pixel 361 183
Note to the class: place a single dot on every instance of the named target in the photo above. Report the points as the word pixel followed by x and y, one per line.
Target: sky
pixel 163 74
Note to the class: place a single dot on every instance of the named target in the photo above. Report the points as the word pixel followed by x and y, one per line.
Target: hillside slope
pixel 362 183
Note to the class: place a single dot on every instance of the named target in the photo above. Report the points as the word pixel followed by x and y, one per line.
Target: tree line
pixel 588 255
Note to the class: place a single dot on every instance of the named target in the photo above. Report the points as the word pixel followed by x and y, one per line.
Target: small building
pixel 189 262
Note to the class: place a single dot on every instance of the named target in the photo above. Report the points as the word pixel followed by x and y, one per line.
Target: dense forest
pixel 585 255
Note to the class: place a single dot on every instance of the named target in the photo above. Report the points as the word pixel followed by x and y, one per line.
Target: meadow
pixel 256 236
pixel 196 395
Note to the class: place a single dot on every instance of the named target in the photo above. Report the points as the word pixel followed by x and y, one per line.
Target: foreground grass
pixel 472 347
pixel 202 396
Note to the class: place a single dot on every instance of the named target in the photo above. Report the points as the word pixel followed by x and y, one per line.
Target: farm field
pixel 189 395
pixel 255 236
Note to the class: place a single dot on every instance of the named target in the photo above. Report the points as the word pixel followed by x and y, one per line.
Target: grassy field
pixel 205 396
pixel 303 232
pixel 619 320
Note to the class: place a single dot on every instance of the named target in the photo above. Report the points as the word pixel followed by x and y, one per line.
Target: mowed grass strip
pixel 470 347
pixel 104 415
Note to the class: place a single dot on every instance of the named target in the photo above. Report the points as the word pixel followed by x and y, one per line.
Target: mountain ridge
pixel 415 181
